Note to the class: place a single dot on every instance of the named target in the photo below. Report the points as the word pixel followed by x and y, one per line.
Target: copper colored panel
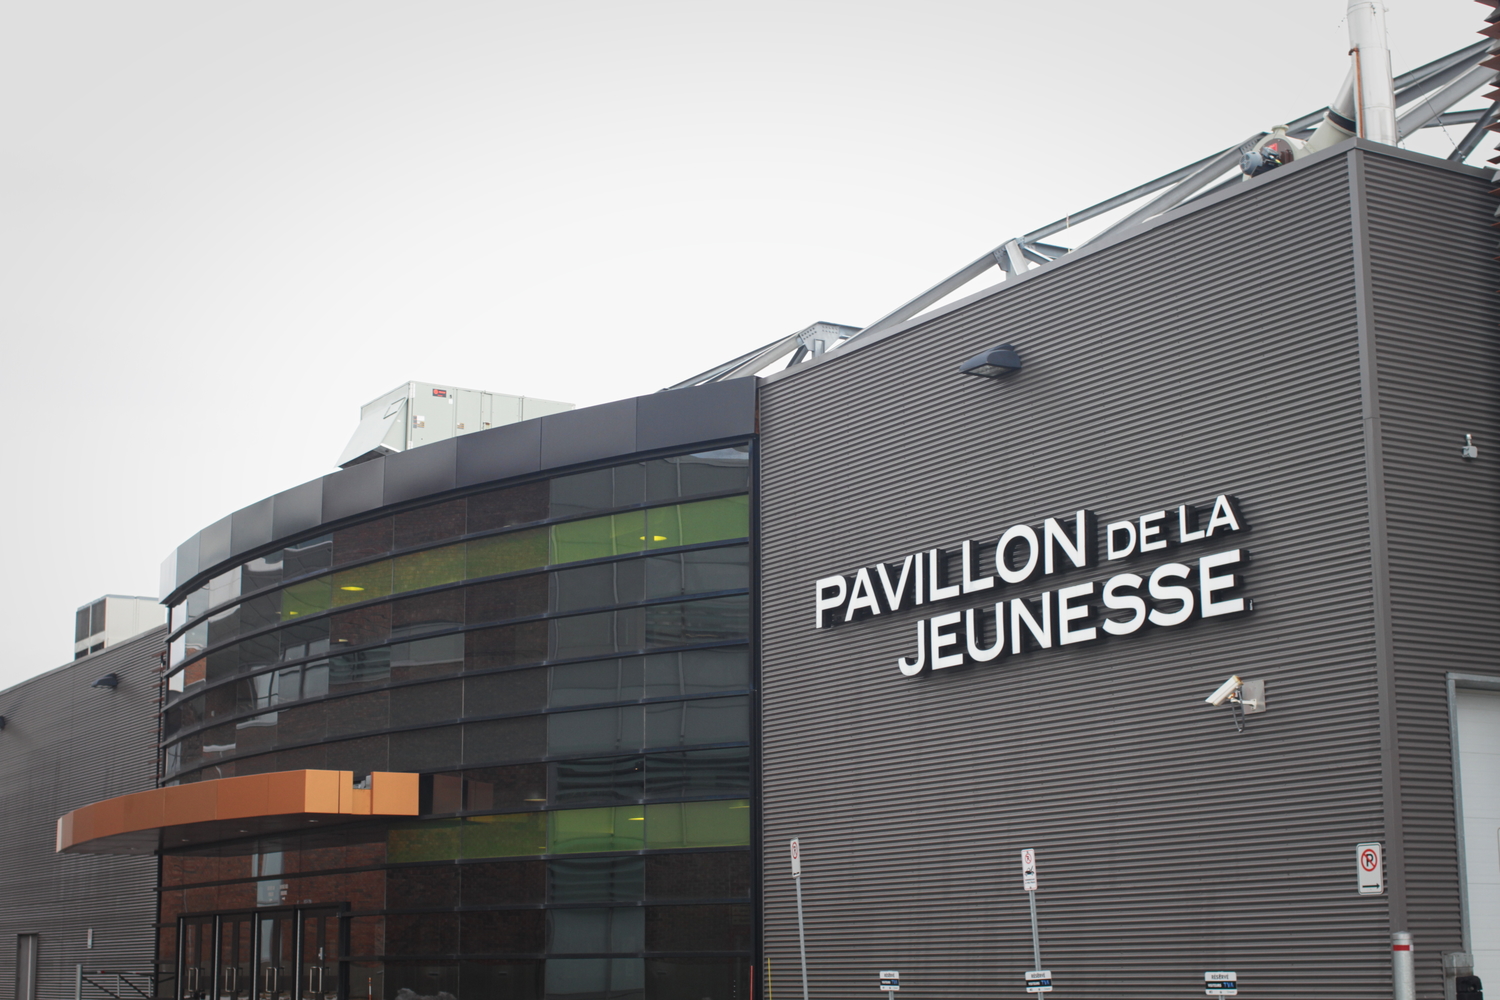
pixel 128 824
pixel 395 793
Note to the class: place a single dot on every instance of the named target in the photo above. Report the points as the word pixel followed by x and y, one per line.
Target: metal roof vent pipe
pixel 1375 89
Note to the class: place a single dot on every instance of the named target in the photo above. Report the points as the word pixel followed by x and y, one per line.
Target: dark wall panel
pixel 1435 315
pixel 66 744
pixel 1196 358
pixel 701 413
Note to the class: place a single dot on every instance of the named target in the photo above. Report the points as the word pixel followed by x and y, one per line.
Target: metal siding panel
pixel 68 744
pixel 1194 359
pixel 699 413
pixel 1438 364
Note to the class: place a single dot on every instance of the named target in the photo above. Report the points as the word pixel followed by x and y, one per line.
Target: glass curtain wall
pixel 568 664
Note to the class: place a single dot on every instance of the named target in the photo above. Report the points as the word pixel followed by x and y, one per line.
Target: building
pixel 550 624
pixel 533 712
pixel 79 734
pixel 112 619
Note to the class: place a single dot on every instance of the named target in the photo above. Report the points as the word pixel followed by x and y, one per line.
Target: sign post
pixel 1370 866
pixel 1038 979
pixel 801 935
pixel 890 982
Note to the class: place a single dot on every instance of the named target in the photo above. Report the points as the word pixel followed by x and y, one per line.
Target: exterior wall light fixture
pixel 110 681
pixel 994 363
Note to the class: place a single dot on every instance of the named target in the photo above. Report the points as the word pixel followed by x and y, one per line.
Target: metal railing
pixel 121 984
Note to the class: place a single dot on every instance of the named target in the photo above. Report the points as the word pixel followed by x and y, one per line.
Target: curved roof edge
pixel 591 434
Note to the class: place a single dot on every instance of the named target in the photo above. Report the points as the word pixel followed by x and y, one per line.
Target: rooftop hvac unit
pixel 419 413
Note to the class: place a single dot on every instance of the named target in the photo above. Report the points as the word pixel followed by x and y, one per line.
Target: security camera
pixel 1225 691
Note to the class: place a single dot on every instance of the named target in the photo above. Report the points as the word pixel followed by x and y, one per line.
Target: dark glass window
pixel 260 612
pixel 426 749
pixel 425 704
pixel 519 786
pixel 696 671
pixel 498 600
pixel 596 682
pixel 713 927
pixel 596 930
pixel 714 619
pixel 721 875
pixel 419 888
pixel 430 525
pixel 596 880
pixel 502 740
pixel 362 713
pixel 599 586
pixel 599 730
pixel 605 781
pixel 505 693
pixel 498 932
pixel 583 493
pixel 595 979
pixel 362 669
pixel 421 934
pixel 597 634
pixel 685 723
pixel 312 556
pixel 360 626
pixel 224 626
pixel 439 656
pixel 504 980
pixel 503 883
pixel 507 646
pixel 260 573
pixel 304 639
pixel 698 772
pixel 698 978
pixel 437 612
pixel 361 541
pixel 503 508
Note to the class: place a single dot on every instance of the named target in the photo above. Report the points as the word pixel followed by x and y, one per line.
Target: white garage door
pixel 1479 777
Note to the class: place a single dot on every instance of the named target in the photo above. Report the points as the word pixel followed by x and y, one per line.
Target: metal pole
pixel 77 982
pixel 1403 969
pixel 802 937
pixel 1036 939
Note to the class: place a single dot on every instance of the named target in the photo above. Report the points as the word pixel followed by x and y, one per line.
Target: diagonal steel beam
pixel 1475 135
pixel 1180 192
pixel 1432 107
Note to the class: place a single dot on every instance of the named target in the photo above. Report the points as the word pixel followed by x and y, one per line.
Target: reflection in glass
pixel 596 880
pixel 594 930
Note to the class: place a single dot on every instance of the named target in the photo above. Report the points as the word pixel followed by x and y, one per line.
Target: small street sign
pixel 1220 984
pixel 796 859
pixel 890 981
pixel 1039 981
pixel 1028 870
pixel 1371 868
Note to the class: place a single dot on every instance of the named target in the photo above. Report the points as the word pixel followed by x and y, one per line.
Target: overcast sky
pixel 227 225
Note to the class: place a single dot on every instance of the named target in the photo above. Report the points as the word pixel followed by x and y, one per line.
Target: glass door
pixel 236 956
pixel 197 958
pixel 320 954
pixel 276 956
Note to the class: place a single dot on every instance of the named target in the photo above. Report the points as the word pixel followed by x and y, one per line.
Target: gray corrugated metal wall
pixel 66 744
pixel 1216 352
pixel 1436 317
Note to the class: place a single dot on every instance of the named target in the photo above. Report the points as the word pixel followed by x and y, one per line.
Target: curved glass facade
pixel 569 665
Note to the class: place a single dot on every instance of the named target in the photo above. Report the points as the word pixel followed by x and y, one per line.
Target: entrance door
pixel 1478 752
pixel 236 956
pixel 197 958
pixel 276 957
pixel 320 954
pixel 27 946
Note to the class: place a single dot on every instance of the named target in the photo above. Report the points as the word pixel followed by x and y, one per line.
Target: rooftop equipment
pixel 418 413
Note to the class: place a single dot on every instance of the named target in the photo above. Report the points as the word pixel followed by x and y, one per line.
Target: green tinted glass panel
pixel 305 598
pixel 698 824
pixel 617 828
pixel 363 583
pixel 424 840
pixel 505 836
pixel 694 523
pixel 512 553
pixel 432 568
pixel 599 537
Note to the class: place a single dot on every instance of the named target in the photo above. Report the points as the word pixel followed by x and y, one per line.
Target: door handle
pixel 231 979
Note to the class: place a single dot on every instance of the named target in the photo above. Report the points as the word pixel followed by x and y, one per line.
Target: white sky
pixel 226 225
